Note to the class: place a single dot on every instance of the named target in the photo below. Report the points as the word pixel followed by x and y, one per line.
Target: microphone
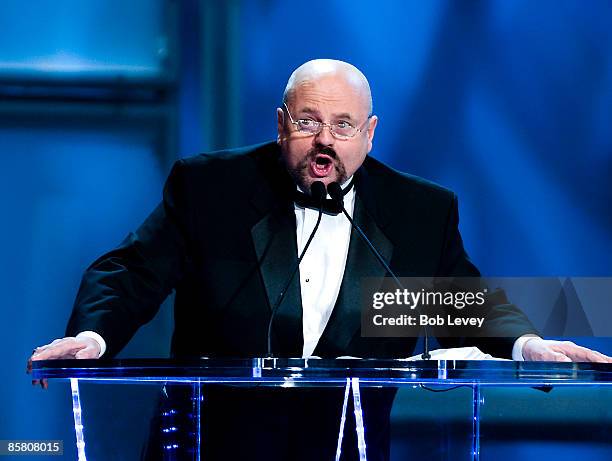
pixel 318 194
pixel 335 192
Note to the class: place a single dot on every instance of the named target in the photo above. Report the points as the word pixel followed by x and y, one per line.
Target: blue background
pixel 508 103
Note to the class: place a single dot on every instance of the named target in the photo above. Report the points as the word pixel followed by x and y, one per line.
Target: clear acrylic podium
pixel 351 376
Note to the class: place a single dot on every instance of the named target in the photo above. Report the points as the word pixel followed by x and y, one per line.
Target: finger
pixel 87 353
pixel 559 357
pixel 44 384
pixel 59 351
pixel 597 357
pixel 52 343
pixel 39 349
pixel 549 355
pixel 579 353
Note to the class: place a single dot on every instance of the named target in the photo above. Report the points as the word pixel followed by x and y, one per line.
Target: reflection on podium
pixel 275 408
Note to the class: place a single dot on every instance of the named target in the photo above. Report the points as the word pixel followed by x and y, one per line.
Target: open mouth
pixel 321 166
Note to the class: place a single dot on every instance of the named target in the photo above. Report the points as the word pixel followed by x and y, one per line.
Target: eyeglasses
pixel 340 130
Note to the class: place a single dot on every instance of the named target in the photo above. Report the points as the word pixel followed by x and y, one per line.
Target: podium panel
pixel 277 408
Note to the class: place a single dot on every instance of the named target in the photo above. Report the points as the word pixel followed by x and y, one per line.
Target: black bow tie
pixel 329 206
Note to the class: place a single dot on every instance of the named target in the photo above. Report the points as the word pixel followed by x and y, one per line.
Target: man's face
pixel 323 157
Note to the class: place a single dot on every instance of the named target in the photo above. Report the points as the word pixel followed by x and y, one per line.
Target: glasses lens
pixel 344 131
pixel 309 126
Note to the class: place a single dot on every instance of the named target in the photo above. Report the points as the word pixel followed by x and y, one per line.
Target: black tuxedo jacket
pixel 224 239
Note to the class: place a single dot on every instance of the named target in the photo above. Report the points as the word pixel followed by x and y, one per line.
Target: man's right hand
pixel 64 348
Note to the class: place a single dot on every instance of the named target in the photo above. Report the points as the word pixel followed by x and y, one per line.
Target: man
pixel 232 223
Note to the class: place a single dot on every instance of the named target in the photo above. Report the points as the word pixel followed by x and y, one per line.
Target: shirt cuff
pixel 96 337
pixel 517 349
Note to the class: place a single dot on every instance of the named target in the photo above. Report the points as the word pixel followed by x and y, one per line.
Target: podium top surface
pixel 290 372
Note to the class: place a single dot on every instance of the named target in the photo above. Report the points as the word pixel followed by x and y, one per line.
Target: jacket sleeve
pixel 124 288
pixel 504 322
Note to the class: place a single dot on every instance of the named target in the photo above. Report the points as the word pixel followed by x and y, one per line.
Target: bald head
pixel 323 68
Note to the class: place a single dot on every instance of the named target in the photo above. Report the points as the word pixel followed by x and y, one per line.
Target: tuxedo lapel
pixel 274 240
pixel 345 321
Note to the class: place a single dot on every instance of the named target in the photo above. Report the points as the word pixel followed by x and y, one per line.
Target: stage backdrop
pixel 508 103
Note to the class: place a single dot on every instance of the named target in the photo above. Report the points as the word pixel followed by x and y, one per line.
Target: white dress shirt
pixel 322 269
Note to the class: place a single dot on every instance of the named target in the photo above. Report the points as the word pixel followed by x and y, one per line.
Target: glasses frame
pixel 322 125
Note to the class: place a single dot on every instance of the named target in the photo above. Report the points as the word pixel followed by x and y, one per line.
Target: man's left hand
pixel 539 349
